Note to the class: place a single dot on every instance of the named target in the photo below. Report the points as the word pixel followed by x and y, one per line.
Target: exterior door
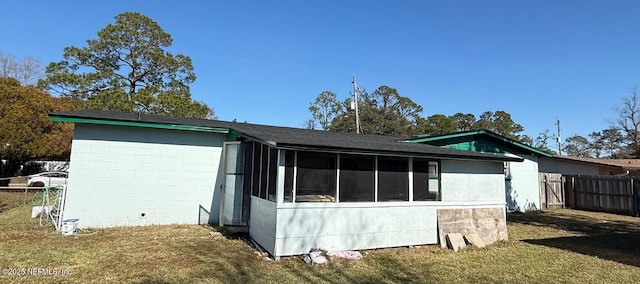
pixel 231 202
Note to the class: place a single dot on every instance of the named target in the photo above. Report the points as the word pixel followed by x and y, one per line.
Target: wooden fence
pixel 603 193
pixel 552 194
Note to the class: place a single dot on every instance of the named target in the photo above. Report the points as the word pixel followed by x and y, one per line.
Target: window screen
pixel 247 179
pixel 255 174
pixel 289 159
pixel 393 179
pixel 273 166
pixel 264 170
pixel 316 177
pixel 420 180
pixel 357 178
pixel 425 180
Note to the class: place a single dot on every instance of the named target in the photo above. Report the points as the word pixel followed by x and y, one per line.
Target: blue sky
pixel 265 61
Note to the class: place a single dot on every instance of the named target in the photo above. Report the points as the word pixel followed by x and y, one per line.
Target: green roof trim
pixel 501 138
pixel 139 124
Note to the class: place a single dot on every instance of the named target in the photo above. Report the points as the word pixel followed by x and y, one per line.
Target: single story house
pixel 295 189
pixel 522 189
pixel 570 165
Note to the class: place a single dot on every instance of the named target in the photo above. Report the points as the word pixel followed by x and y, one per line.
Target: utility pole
pixel 559 139
pixel 355 100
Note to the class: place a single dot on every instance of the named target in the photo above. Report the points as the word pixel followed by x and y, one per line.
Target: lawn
pixel 555 246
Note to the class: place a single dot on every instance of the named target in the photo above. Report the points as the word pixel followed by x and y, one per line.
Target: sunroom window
pixel 357 178
pixel 289 164
pixel 273 169
pixel 316 177
pixel 261 169
pixel 393 179
pixel 425 180
pixel 255 169
pixel 264 172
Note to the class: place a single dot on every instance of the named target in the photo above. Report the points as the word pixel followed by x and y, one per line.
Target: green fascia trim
pixel 233 135
pixel 140 124
pixel 478 132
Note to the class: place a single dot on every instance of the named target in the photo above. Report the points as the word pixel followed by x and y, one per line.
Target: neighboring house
pixel 296 189
pixel 521 179
pixel 569 165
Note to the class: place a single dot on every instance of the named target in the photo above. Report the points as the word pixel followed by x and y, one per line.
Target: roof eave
pixel 98 121
pixel 496 158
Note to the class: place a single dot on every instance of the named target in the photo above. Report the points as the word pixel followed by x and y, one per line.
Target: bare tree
pixel 7 66
pixel 310 124
pixel 629 119
pixel 27 71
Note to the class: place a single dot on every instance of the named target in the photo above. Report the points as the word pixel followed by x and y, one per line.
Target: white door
pixel 232 181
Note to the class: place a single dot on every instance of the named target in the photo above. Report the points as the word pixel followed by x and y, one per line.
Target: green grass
pixel 562 246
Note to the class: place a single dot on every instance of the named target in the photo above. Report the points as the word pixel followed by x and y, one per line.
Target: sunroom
pixel 333 195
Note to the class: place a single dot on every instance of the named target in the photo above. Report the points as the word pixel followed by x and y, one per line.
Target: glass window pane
pixel 434 180
pixel 433 169
pixel 393 179
pixel 316 177
pixel 357 178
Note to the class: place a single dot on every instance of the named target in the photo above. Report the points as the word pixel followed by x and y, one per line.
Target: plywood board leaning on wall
pixel 489 223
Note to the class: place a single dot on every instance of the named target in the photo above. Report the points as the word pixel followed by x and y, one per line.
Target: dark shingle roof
pixel 296 137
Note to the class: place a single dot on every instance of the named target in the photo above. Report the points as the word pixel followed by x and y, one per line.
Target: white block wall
pixel 117 173
pixel 523 189
pixel 350 226
pixel 464 181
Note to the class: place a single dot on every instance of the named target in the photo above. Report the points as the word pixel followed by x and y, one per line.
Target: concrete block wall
pixel 129 176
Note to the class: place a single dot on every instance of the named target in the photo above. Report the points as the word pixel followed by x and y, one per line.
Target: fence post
pixel 564 195
pixel 634 194
pixel 546 192
pixel 573 192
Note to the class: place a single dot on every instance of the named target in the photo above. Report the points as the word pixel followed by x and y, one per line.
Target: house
pixel 570 165
pixel 295 189
pixel 522 191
